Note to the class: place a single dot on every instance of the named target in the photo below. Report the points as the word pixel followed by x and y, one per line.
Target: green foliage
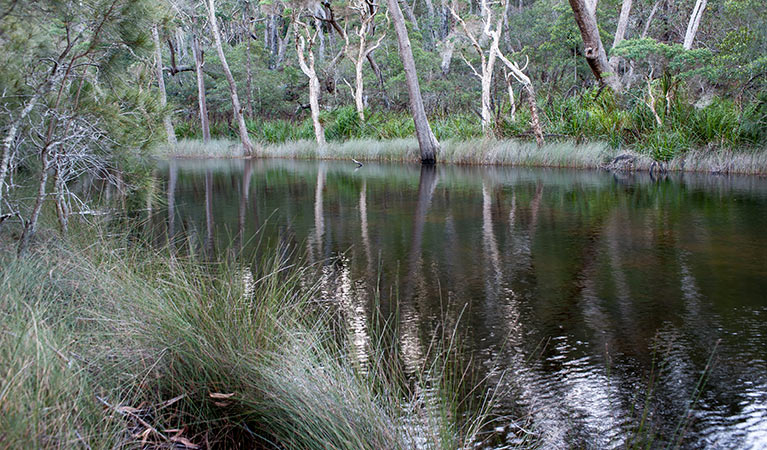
pixel 664 57
pixel 663 145
pixel 344 124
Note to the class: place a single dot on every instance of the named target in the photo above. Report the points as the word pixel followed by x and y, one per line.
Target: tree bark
pixel 410 14
pixel 161 85
pixel 306 62
pixel 236 108
pixel 379 77
pixel 692 25
pixel 30 227
pixel 427 142
pixel 62 209
pixel 201 101
pixel 248 60
pixel 10 138
pixel 620 31
pixel 594 51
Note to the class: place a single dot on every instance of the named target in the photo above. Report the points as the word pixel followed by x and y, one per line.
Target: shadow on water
pixel 587 299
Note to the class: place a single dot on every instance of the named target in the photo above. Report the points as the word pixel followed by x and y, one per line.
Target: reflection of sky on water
pixel 583 296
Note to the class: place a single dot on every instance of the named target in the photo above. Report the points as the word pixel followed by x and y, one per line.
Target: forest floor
pixel 489 152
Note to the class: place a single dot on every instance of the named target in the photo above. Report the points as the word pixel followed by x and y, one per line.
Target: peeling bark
pixel 304 49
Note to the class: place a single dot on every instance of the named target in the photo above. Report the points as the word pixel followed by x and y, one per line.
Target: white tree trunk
pixel 306 62
pixel 692 25
pixel 237 109
pixel 201 101
pixel 8 141
pixel 620 31
pixel 359 86
pixel 487 62
pixel 512 100
pixel 161 85
pixel 520 76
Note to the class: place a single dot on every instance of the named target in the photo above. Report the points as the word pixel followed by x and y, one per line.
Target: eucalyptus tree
pixel 193 25
pixel 305 39
pixel 694 23
pixel 491 28
pixel 594 51
pixel 427 142
pixel 236 107
pixel 366 11
pixel 167 121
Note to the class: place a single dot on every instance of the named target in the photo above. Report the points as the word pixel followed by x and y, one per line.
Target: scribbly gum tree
pixel 306 36
pixel 358 52
pixel 485 35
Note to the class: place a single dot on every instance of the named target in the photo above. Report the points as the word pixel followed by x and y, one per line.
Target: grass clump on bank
pixel 105 345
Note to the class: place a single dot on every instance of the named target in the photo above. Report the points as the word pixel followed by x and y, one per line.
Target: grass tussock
pixel 102 346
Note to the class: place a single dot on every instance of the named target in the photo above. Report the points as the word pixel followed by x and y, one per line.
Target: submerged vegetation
pixel 110 344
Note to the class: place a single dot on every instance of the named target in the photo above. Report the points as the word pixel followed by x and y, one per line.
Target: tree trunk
pixel 62 209
pixel 379 77
pixel 161 85
pixel 429 147
pixel 649 18
pixel 198 63
pixel 30 227
pixel 359 86
pixel 534 121
pixel 594 51
pixel 410 14
pixel 314 105
pixel 248 60
pixel 429 32
pixel 620 31
pixel 520 76
pixel 236 108
pixel 306 62
pixel 9 140
pixel 692 25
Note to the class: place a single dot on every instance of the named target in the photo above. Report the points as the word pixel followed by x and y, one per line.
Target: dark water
pixel 589 299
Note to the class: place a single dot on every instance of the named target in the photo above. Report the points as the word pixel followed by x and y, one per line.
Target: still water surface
pixel 601 297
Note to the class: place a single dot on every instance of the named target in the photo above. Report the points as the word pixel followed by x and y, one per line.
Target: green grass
pixel 584 131
pixel 105 343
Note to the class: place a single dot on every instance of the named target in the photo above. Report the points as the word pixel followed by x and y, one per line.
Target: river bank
pixel 107 343
pixel 489 152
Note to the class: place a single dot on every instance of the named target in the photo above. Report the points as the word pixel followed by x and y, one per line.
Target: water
pixel 599 297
